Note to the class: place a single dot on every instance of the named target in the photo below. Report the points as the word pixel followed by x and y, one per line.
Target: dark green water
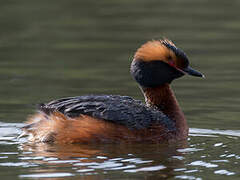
pixel 53 49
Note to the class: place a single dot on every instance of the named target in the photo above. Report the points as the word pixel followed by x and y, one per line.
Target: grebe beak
pixel 192 72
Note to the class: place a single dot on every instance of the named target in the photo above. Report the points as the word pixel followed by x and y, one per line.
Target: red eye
pixel 171 63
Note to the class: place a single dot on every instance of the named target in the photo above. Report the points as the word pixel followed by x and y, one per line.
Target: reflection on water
pixel 207 153
pixel 53 49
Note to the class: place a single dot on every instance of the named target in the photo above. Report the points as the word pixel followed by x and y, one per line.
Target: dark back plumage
pixel 122 110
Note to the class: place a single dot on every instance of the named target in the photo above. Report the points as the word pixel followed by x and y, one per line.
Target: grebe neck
pixel 163 98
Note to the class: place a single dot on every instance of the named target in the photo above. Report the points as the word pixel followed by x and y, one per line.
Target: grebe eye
pixel 171 62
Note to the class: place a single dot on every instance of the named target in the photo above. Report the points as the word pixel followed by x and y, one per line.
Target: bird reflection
pixel 92 159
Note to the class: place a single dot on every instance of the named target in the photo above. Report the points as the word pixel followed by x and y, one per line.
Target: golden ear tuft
pixel 167 41
pixel 154 50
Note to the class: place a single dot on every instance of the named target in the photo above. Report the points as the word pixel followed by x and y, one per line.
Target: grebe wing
pixel 122 110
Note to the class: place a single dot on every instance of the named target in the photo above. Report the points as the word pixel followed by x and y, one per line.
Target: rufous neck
pixel 163 98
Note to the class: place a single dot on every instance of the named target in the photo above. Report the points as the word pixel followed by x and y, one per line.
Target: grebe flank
pixel 114 118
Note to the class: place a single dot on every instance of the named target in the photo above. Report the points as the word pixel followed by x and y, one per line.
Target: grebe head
pixel 158 62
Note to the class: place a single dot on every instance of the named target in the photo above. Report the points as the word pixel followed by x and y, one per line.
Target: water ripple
pixel 214 132
pixel 18 164
pixel 204 164
pixel 46 175
pixel 151 168
pixel 225 172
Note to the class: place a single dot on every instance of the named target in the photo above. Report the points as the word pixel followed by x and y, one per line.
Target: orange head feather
pixel 163 50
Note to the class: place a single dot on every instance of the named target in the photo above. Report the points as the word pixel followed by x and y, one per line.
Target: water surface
pixel 53 49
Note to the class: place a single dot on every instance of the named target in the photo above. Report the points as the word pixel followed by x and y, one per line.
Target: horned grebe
pixel 114 118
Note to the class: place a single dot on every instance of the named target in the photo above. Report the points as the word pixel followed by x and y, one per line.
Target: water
pixel 53 49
